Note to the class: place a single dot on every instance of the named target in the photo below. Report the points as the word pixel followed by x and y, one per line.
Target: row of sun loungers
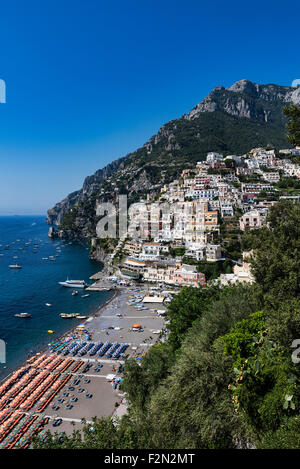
pixel 35 384
pixel 111 350
pixel 19 430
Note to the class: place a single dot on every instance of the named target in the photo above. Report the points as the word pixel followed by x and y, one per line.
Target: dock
pixel 99 285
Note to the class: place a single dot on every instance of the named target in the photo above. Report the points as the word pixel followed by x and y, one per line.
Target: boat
pixel 15 266
pixel 69 316
pixel 85 296
pixel 73 283
pixel 81 317
pixel 23 315
pixel 48 304
pixel 74 292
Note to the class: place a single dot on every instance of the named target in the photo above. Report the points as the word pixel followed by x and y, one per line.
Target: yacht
pixel 15 266
pixel 73 283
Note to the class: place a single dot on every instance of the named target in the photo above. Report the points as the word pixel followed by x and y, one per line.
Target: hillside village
pixel 191 232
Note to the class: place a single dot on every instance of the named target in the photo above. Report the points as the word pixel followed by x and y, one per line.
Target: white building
pixel 213 156
pixel 272 177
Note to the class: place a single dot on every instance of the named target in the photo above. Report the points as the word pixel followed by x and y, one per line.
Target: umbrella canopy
pixel 136 325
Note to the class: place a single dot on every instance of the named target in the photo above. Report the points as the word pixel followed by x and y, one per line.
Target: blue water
pixel 28 289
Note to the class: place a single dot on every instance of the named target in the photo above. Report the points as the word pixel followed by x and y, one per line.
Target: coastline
pixel 45 349
pixel 96 314
pixel 34 288
pixel 99 375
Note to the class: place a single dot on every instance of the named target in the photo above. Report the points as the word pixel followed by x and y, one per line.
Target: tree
pixel 103 433
pixel 276 259
pixel 287 436
pixel 185 307
pixel 141 380
pixel 193 407
pixel 293 126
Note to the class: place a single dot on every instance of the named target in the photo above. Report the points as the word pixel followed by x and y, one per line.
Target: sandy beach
pixel 91 392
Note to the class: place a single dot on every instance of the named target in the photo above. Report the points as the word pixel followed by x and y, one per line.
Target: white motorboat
pixel 73 283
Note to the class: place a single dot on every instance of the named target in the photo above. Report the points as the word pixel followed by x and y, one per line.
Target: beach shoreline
pixel 96 314
pixel 45 348
pixel 91 382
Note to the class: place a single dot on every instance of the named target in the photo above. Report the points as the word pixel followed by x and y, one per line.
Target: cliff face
pixel 55 215
pixel 249 100
pixel 231 120
pixel 90 186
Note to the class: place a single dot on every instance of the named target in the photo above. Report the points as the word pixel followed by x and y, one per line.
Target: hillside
pixel 231 120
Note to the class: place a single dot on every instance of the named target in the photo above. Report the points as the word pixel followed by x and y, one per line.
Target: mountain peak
pixel 244 85
pixel 247 99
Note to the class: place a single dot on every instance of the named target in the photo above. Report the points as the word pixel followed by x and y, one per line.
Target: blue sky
pixel 89 81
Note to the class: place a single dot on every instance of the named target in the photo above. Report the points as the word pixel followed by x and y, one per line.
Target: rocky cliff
pixel 229 120
pixel 90 186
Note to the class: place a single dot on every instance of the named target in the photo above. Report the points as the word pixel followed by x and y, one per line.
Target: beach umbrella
pixel 136 326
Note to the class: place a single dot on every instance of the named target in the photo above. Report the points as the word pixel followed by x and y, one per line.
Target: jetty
pixel 99 285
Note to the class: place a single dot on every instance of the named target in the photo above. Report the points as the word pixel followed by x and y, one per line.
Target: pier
pixel 100 285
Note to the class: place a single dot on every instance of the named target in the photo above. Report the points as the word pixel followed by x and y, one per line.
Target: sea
pixel 24 241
